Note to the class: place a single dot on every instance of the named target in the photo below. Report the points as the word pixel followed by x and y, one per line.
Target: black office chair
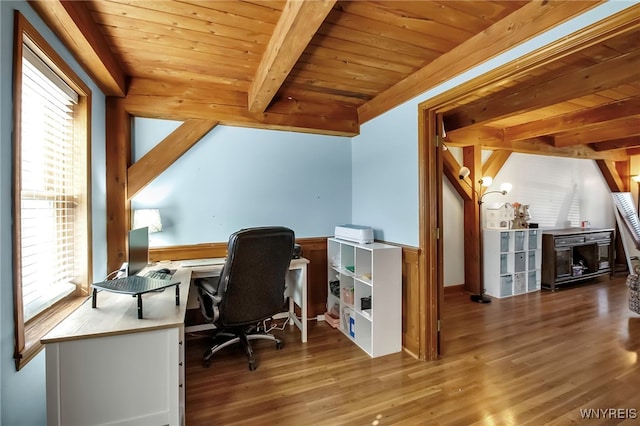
pixel 250 288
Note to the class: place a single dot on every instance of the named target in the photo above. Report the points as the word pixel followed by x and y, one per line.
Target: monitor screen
pixel 138 250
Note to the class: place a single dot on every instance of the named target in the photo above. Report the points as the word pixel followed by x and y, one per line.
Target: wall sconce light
pixel 147 217
pixel 504 190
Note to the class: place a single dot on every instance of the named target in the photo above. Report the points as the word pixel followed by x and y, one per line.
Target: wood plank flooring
pixel 534 359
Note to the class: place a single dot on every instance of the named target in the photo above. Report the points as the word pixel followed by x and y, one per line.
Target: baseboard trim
pixel 450 289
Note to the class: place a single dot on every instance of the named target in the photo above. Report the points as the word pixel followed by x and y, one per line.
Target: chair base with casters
pixel 243 338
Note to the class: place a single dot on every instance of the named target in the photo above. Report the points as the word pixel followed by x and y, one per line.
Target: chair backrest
pixel 252 281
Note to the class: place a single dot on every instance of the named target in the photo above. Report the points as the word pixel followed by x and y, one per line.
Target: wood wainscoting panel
pixel 315 249
pixel 193 251
pixel 411 335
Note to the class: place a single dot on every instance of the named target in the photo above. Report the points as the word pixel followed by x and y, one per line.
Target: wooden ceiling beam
pixel 611 175
pixel 297 25
pixel 494 163
pixel 601 132
pixel 73 24
pixel 540 146
pixel 164 154
pixel 450 169
pixel 583 82
pixel 183 101
pixel 474 136
pixel 178 108
pixel 574 120
pixel 531 19
pixel 616 144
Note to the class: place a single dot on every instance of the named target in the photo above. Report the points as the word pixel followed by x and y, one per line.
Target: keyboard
pixel 158 275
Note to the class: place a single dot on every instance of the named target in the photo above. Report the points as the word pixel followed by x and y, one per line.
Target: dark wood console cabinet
pixel 575 254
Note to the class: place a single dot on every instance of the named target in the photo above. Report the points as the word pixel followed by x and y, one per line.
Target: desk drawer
pixel 598 236
pixel 569 241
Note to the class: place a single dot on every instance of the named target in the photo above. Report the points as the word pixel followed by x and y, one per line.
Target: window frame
pixel 28 334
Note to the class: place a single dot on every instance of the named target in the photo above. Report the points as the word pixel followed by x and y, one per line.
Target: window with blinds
pixel 51 191
pixel 48 194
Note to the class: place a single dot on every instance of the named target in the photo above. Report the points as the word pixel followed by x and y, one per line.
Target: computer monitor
pixel 138 250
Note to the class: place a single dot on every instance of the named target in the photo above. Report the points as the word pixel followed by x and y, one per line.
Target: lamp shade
pixel 506 187
pixel 147 217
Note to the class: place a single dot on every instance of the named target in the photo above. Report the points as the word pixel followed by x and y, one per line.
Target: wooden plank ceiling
pixel 586 104
pixel 329 66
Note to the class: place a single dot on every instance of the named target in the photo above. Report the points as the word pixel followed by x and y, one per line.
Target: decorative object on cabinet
pixel 499 217
pixel 512 261
pixel 575 254
pixel 370 294
pixel 521 216
pixel 504 189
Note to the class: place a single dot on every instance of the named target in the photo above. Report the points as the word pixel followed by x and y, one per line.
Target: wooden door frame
pixel 430 164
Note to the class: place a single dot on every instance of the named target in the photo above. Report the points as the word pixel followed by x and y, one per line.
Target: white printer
pixel 356 233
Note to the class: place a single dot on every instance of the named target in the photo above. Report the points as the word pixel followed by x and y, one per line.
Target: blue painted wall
pixel 22 393
pixel 236 177
pixel 385 176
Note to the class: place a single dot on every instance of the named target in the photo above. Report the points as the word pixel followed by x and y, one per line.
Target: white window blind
pixel 47 187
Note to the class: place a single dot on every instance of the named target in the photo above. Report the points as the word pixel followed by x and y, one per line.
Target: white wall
pixel 545 184
pixel 548 184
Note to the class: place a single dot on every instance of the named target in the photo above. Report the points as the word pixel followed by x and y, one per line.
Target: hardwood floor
pixel 534 359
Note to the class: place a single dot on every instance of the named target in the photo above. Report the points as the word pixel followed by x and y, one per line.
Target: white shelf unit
pixel 367 271
pixel 512 261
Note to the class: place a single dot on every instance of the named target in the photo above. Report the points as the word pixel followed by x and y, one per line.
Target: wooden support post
pixel 472 159
pixel 118 158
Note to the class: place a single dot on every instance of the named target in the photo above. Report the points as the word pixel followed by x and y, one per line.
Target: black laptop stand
pixel 135 286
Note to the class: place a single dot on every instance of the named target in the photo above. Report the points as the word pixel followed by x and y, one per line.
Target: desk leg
pixel 292 308
pixel 299 287
pixel 139 306
pixel 94 298
pixel 303 279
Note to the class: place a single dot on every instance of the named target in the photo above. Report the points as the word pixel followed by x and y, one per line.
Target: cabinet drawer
pixel 569 241
pixel 598 236
pixel 520 262
pixel 506 286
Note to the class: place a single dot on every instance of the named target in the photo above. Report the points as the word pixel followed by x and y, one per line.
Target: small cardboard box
pixel 331 320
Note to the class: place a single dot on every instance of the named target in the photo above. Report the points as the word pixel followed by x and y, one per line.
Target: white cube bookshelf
pixel 512 261
pixel 367 271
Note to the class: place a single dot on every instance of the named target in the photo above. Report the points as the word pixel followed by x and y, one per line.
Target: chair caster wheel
pixel 252 365
pixel 279 345
pixel 206 364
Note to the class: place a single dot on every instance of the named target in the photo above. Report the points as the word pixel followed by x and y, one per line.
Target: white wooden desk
pixel 296 288
pixel 106 366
